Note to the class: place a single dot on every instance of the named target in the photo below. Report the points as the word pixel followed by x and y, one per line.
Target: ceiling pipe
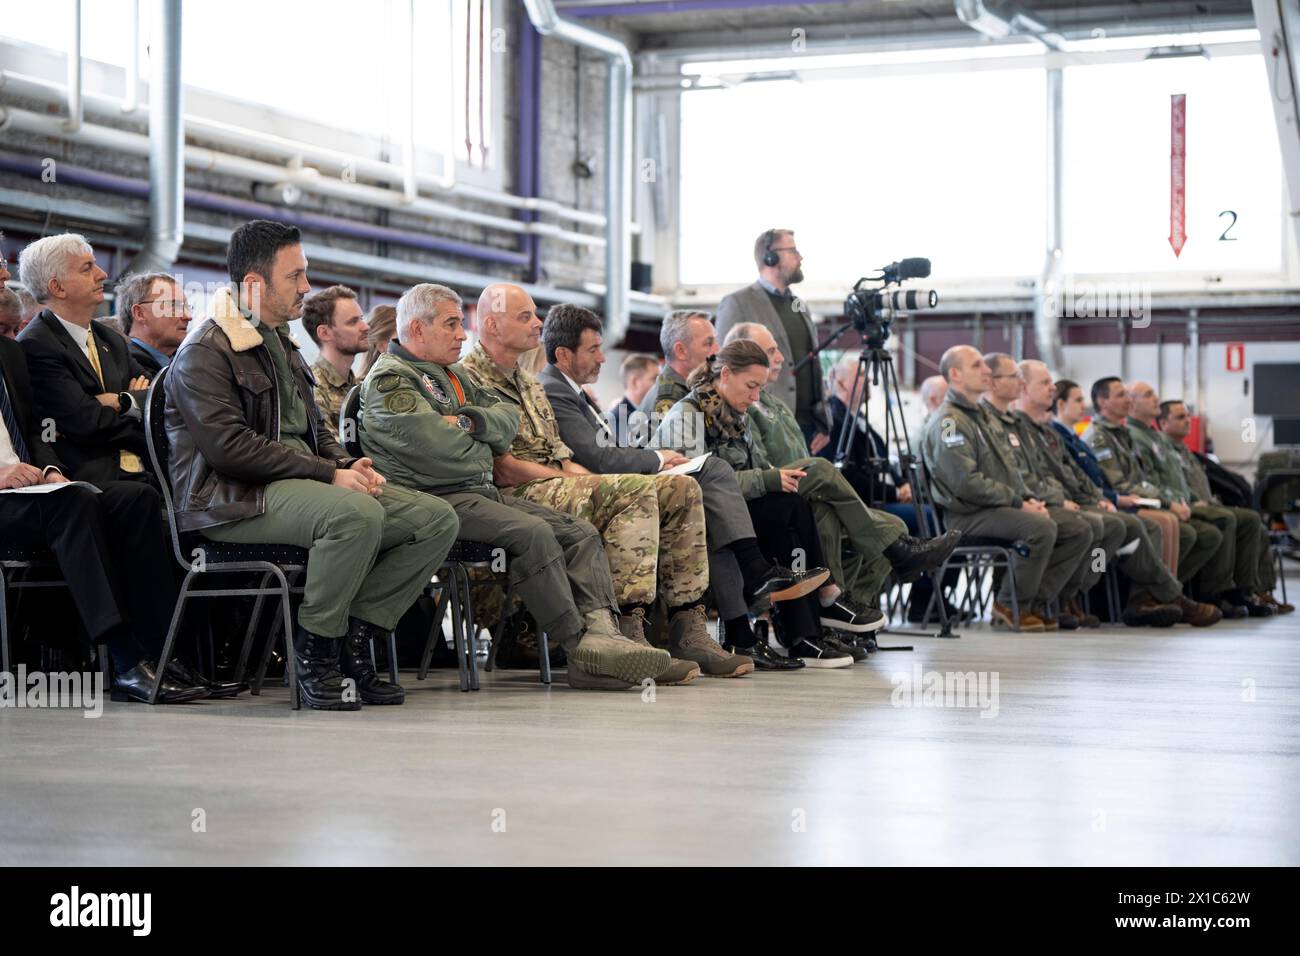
pixel 1050 294
pixel 979 18
pixel 618 157
pixel 233 206
pixel 166 144
pixel 131 95
pixel 73 122
pixel 310 180
pixel 581 10
pixel 288 150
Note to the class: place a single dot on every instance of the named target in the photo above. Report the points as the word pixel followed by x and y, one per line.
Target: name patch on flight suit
pixel 1014 439
pixel 1104 454
pixel 435 390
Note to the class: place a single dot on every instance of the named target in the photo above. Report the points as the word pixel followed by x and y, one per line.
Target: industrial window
pixel 867 170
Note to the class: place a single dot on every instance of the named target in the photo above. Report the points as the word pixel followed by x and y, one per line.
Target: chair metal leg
pixel 295 700
pixel 271 638
pixel 435 629
pixel 471 630
pixel 500 627
pixel 457 628
pixel 544 655
pixel 392 657
pixel 177 613
pixel 244 651
pixel 4 623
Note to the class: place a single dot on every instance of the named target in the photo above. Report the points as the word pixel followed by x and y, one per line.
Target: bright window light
pixel 958 177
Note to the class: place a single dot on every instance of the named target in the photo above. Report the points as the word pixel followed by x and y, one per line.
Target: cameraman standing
pixel 770 303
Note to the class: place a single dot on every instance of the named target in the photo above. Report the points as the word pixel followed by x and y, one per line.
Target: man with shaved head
pixel 982 493
pixel 652 525
pixel 1121 536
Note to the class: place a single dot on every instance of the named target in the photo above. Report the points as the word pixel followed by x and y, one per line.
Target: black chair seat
pixel 26 555
pixel 221 552
pixel 470 552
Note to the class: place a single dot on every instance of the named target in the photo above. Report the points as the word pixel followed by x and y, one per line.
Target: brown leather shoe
pixel 1083 617
pixel 1197 614
pixel 1279 607
pixel 1029 621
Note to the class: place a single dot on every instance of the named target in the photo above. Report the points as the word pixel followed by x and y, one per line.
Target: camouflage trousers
pixel 652 526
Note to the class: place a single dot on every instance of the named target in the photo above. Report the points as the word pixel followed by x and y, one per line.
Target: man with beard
pixel 335 322
pixel 253 462
pixel 770 303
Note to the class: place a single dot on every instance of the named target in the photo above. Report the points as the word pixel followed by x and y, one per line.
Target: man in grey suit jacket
pixel 770 303
pixel 572 338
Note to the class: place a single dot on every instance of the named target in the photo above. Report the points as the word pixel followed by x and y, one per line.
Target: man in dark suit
pixel 91 536
pixel 154 315
pixel 572 339
pixel 91 388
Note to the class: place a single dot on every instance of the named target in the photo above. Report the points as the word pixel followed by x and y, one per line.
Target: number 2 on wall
pixel 1225 237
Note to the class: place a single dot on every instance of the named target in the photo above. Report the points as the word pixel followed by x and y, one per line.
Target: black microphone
pixel 913 268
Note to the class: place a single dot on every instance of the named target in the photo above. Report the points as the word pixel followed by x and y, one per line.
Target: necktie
pixel 11 423
pixel 595 411
pixel 129 461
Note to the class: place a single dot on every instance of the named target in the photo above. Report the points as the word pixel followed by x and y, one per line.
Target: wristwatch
pixel 465 422
pixel 123 402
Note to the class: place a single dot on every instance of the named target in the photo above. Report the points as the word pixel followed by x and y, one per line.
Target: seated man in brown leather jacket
pixel 252 461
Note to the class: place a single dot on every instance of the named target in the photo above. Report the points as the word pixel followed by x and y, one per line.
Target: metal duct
pixel 166 144
pixel 618 157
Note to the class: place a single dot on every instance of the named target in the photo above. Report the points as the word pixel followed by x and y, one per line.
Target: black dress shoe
pixel 181 673
pixel 356 664
pixel 912 557
pixel 137 684
pixel 783 584
pixel 320 682
pixel 766 659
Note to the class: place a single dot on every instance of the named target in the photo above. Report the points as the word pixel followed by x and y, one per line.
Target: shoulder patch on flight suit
pixel 400 403
pixel 388 383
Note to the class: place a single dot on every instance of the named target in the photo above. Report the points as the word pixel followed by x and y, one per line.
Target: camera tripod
pixel 878 363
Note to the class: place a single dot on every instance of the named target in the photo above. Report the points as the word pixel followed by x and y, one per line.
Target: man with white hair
pixel 430 426
pixel 88 383
pixel 933 392
pixel 253 462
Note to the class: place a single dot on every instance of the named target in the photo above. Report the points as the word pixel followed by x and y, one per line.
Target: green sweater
pixel 403 401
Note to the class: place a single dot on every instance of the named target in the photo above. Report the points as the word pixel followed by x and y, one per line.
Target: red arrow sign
pixel 1178 172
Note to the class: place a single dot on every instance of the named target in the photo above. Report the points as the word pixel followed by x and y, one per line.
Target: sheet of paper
pixel 45 489
pixel 690 467
pixel 1148 502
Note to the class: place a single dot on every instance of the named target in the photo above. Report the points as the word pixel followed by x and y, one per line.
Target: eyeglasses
pixel 168 306
pixel 1012 375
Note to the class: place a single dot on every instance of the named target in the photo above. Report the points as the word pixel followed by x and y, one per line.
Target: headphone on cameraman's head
pixel 770 258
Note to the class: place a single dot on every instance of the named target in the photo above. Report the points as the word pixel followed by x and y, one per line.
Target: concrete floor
pixel 1108 747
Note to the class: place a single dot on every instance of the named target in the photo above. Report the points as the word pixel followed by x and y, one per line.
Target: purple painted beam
pixel 214 202
pixel 678 6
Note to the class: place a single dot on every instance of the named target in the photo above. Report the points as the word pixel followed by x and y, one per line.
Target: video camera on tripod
pixel 871 311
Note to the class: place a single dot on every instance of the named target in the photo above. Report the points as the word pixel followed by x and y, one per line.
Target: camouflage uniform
pixel 669 389
pixel 556 561
pixel 652 525
pixel 331 389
